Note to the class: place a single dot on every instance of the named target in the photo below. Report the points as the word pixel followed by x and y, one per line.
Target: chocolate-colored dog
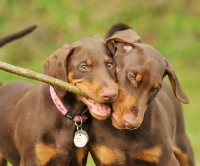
pixel 33 132
pixel 147 114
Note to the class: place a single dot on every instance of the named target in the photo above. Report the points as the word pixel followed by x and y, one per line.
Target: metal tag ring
pixel 79 125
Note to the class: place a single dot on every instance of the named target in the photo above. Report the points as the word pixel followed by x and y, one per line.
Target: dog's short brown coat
pixel 147 106
pixel 32 131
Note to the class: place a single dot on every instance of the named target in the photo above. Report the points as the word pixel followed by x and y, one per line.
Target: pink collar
pixel 63 110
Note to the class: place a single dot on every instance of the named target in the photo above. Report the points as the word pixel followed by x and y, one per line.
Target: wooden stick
pixel 40 77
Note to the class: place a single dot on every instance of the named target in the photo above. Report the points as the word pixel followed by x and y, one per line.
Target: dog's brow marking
pixel 45 153
pixel 181 157
pixel 106 59
pixel 138 77
pixel 151 155
pixel 89 62
pixel 108 156
pixel 156 85
pixel 117 69
pixel 81 153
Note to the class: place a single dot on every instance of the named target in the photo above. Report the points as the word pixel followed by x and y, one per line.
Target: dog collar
pixel 64 110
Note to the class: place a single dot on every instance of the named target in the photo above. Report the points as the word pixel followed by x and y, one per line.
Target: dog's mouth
pixel 98 110
pixel 116 122
pixel 127 121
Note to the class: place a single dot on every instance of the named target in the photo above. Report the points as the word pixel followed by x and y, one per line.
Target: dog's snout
pixel 108 94
pixel 131 121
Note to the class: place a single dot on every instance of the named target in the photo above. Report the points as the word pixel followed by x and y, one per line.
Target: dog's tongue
pixel 98 110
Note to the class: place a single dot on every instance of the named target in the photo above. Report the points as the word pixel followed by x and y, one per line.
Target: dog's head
pixel 88 65
pixel 140 71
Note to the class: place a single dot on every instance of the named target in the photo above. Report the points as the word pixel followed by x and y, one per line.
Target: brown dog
pixel 147 106
pixel 33 132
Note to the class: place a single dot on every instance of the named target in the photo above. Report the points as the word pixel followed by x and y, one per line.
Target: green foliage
pixel 172 27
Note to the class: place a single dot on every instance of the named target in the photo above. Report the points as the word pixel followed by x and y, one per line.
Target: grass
pixel 171 27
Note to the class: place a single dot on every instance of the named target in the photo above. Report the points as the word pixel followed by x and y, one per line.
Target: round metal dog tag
pixel 80 138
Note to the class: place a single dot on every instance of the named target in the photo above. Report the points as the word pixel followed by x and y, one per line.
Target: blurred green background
pixel 172 27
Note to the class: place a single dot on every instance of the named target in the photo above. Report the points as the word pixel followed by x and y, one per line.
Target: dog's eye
pixel 155 90
pixel 84 67
pixel 110 65
pixel 131 76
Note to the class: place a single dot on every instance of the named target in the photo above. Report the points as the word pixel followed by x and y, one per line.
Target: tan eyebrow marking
pixel 106 59
pixel 156 85
pixel 117 69
pixel 89 62
pixel 138 77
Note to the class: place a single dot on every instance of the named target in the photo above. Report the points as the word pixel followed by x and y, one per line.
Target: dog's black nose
pixel 108 94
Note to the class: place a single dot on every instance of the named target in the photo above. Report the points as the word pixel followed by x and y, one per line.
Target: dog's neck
pixel 75 115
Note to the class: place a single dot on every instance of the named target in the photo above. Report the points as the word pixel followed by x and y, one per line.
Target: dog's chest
pixel 54 145
pixel 114 156
pixel 125 148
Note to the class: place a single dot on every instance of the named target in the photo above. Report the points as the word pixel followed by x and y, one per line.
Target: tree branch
pixel 40 77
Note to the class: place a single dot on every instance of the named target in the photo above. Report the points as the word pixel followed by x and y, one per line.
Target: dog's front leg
pixel 173 161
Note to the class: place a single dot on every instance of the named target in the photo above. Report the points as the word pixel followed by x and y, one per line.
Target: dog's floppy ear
pixel 179 93
pixel 56 66
pixel 128 37
pixel 111 46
